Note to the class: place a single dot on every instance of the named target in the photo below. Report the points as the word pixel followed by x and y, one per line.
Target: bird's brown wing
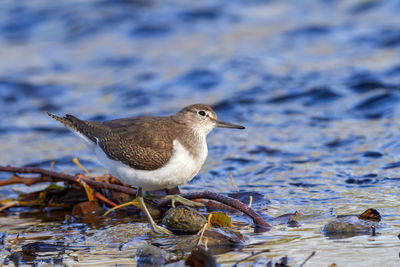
pixel 144 143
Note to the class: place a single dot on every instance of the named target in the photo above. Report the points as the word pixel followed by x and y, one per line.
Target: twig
pixel 309 257
pixel 15 179
pixel 216 206
pixel 252 255
pixel 104 199
pixel 8 205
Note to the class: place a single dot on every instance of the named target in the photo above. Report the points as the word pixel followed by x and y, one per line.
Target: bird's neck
pixel 195 142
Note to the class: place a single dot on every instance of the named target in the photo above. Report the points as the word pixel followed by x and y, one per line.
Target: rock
pixel 150 255
pixel 183 220
pixel 201 258
pixel 348 226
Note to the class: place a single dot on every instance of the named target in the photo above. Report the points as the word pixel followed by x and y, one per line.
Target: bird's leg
pixel 139 198
pixel 176 198
pixel 130 203
pixel 156 228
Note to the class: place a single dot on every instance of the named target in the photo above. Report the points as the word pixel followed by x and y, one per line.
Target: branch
pixel 237 204
pixel 67 177
pixel 15 179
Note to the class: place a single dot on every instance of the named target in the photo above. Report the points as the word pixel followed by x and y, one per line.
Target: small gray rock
pixel 150 255
pixel 183 220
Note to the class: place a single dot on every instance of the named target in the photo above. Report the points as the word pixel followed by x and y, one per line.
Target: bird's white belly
pixel 180 169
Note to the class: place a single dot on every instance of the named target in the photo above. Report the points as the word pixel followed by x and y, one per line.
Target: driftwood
pixel 48 175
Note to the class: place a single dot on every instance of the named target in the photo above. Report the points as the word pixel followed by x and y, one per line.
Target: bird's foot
pixel 182 200
pixel 160 230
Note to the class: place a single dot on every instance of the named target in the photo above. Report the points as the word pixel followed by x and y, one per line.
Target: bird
pixel 151 152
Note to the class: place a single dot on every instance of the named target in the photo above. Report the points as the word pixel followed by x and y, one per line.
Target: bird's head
pixel 202 118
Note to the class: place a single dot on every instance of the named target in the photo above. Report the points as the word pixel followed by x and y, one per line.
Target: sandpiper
pixel 151 153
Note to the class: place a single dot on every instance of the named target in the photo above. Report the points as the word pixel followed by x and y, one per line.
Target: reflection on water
pixel 318 94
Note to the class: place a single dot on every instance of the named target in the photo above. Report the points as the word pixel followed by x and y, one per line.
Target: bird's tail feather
pixel 75 124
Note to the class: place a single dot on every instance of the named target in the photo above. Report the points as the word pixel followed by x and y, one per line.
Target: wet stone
pixel 348 226
pixel 150 255
pixel 183 220
pixel 201 257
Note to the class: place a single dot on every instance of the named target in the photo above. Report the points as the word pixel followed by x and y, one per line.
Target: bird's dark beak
pixel 223 124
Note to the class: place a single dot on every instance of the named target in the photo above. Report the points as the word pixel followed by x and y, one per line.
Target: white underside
pixel 180 169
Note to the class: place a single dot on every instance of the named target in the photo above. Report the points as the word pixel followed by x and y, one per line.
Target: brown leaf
pixel 370 214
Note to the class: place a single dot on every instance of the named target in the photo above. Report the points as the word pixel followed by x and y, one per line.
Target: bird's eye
pixel 202 113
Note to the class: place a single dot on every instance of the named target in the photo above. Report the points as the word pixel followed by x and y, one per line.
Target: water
pixel 316 84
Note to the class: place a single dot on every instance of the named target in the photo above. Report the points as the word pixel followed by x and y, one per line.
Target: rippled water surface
pixel 315 83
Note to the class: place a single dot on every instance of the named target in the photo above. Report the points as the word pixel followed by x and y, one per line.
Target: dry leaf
pixel 220 219
pixel 370 214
